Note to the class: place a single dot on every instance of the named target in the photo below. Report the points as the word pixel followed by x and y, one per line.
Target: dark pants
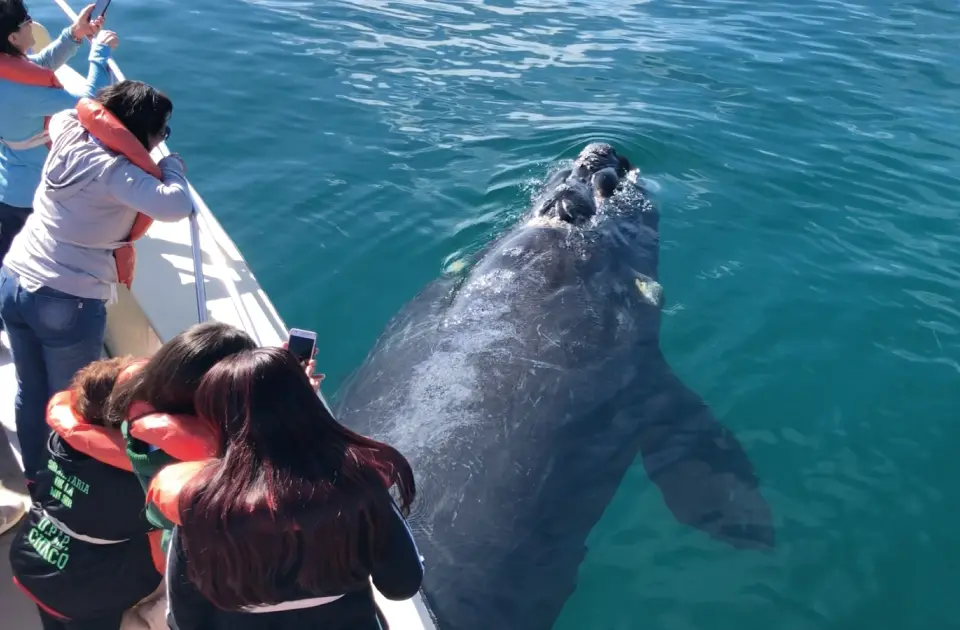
pixel 11 222
pixel 49 622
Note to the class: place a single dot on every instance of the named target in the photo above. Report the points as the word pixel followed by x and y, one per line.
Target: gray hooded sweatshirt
pixel 84 208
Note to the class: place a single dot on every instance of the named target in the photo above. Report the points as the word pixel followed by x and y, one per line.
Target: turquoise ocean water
pixel 806 157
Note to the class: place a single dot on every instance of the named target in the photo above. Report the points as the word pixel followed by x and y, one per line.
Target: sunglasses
pixel 166 133
pixel 26 20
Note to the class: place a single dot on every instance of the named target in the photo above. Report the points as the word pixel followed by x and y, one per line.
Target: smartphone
pixel 302 343
pixel 99 9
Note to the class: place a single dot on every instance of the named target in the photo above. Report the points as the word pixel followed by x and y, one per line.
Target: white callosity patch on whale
pixel 455 267
pixel 650 290
pixel 481 299
pixel 547 221
pixel 512 252
pixel 494 282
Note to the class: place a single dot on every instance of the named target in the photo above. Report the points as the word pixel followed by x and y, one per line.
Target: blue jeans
pixel 11 222
pixel 52 336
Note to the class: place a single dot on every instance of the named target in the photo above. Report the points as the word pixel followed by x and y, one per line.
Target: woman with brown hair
pixel 287 528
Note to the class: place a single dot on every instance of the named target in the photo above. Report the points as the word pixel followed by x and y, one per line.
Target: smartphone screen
pixel 99 8
pixel 301 346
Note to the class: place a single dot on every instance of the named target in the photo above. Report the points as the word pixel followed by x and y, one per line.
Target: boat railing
pixel 198 267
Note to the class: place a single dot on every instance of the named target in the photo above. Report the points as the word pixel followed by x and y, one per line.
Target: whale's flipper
pixel 704 474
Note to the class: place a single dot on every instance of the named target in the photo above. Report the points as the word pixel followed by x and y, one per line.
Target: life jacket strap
pixel 292 605
pixel 36 140
pixel 72 534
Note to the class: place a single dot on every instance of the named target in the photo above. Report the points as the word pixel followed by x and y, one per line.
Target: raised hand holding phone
pixel 315 379
pixel 100 9
pixel 303 345
pixel 84 26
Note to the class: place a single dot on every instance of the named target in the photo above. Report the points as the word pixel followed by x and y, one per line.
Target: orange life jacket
pixel 103 444
pixel 182 437
pixel 178 436
pixel 164 490
pixel 22 70
pixel 108 129
pixel 166 486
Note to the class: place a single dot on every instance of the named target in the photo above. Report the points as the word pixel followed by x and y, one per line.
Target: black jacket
pixel 76 578
pixel 397 578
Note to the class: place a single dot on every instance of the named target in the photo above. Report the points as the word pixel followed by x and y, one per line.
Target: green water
pixel 806 157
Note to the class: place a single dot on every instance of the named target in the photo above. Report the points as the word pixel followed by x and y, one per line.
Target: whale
pixel 522 391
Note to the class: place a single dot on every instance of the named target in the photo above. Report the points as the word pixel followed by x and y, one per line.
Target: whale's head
pixel 573 195
pixel 592 219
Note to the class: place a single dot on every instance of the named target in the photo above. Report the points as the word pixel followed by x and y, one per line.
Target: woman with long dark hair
pixel 155 407
pixel 287 528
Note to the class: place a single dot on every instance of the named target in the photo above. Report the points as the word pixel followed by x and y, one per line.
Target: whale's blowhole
pixel 574 196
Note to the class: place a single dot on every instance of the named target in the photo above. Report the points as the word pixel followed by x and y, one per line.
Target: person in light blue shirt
pixel 24 107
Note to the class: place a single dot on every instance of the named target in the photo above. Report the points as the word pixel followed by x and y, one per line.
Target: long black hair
pixel 171 376
pixel 142 109
pixel 295 495
pixel 13 15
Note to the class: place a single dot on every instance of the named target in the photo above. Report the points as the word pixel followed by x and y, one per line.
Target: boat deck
pixel 19 613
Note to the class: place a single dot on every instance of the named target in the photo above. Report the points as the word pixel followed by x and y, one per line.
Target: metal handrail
pixel 198 267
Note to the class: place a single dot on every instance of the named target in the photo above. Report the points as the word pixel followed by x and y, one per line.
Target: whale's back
pixel 502 390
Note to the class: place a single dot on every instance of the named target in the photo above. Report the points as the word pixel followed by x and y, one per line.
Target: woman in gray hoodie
pixel 98 184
